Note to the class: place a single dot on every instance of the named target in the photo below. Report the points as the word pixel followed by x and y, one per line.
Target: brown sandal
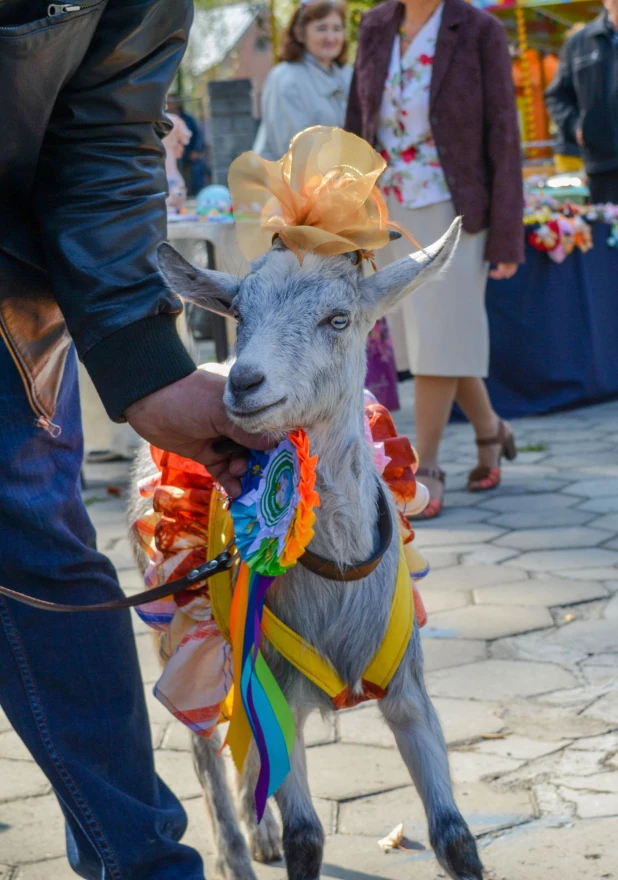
pixel 482 478
pixel 434 507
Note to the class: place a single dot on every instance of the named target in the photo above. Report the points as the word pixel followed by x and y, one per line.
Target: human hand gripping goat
pixel 188 418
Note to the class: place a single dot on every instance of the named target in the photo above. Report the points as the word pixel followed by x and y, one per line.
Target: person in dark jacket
pixel 82 209
pixel 433 92
pixel 583 100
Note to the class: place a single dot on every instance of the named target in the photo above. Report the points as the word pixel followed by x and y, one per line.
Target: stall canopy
pixel 536 30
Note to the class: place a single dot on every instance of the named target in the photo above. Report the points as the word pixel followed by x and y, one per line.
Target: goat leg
pixel 233 861
pixel 303 836
pixel 415 725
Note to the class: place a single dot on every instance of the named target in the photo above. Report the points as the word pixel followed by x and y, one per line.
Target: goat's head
pixel 302 330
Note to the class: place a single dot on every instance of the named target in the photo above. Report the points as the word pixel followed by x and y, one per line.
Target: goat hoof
pixel 455 847
pixel 265 839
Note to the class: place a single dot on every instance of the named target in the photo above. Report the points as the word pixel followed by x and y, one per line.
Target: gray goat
pixel 300 361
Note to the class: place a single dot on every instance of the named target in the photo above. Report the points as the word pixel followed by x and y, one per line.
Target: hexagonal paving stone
pixel 54 869
pixel 499 680
pixel 594 488
pixel 577 851
pixel 341 771
pixel 467 577
pixel 21 779
pixel 546 592
pixel 530 719
pixel 609 521
pixel 602 782
pixel 591 805
pixel 176 770
pixel 484 807
pixel 519 747
pixel 473 534
pixel 469 766
pixel 13 748
pixel 517 503
pixel 532 519
pixel 605 504
pixel 442 653
pixel 364 725
pixel 487 622
pixel 555 560
pixel 444 600
pixel 32 830
pixel 606 709
pixel 589 636
pixel 466 720
pixel 611 609
pixel 553 538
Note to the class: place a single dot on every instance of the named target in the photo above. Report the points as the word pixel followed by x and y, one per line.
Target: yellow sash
pixel 294 647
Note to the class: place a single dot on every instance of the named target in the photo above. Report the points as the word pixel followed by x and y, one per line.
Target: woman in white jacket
pixel 311 84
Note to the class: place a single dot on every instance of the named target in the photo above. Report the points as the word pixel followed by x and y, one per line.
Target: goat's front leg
pixel 265 838
pixel 233 861
pixel 303 837
pixel 414 722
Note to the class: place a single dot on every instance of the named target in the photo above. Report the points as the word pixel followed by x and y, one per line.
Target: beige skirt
pixel 441 329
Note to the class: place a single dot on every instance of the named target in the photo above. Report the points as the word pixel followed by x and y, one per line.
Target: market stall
pixel 554 325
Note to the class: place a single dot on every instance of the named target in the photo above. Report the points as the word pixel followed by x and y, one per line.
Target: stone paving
pixel 521 655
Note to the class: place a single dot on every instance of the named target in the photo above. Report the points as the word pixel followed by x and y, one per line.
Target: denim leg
pixel 70 684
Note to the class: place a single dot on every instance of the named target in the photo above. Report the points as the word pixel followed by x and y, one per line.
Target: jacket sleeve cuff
pixel 136 361
pixel 503 250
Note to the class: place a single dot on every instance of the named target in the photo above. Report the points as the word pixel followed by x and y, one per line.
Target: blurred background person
pixel 583 100
pixel 193 163
pixel 175 144
pixel 433 92
pixel 310 86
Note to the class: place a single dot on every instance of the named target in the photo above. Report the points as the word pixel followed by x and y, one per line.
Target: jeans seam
pixel 102 845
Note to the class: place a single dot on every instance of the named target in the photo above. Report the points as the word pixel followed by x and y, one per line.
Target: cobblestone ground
pixel 521 655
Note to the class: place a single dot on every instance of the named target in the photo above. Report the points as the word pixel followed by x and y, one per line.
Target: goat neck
pixel 346 527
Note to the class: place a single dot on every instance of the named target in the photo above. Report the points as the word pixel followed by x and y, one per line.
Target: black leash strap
pixel 197 576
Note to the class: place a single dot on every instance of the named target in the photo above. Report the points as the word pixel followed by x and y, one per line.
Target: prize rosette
pixel 273 523
pixel 274 516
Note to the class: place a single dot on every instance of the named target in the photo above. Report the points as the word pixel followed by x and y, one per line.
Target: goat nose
pixel 245 378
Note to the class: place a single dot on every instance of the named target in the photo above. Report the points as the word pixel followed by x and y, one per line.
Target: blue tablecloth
pixel 554 331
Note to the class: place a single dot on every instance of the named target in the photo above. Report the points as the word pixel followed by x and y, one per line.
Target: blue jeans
pixel 70 684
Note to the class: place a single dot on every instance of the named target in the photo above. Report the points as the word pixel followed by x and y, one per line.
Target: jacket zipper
pixel 63 8
pixel 54 9
pixel 41 420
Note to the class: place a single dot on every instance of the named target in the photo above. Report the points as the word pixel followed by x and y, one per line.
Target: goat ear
pixel 387 287
pixel 206 288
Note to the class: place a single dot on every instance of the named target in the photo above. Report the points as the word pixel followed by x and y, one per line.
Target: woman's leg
pixel 434 397
pixel 474 400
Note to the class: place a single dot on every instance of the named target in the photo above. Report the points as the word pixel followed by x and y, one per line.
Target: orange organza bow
pixel 321 197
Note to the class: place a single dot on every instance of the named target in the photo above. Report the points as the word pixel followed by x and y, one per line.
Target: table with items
pixel 554 325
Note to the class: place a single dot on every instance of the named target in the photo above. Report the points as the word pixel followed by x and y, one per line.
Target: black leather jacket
pixel 82 194
pixel 584 94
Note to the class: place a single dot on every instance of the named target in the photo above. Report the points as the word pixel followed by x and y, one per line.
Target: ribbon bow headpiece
pixel 320 197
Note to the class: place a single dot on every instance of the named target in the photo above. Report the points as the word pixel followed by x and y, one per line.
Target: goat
pixel 302 330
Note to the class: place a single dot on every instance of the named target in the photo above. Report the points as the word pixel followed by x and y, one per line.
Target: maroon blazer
pixel 472 113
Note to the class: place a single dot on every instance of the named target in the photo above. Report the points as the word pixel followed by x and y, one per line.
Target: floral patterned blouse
pixel 414 174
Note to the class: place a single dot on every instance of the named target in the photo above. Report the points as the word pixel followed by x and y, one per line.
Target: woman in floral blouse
pixel 432 91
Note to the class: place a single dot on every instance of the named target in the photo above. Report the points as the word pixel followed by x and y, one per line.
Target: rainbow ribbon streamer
pixel 263 706
pixel 273 523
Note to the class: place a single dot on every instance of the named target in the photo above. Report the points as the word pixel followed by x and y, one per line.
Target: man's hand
pixel 503 271
pixel 579 137
pixel 187 418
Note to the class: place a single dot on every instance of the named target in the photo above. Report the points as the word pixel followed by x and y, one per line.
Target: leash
pixel 197 576
pixel 224 561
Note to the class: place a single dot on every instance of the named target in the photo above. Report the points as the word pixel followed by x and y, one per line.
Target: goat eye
pixel 339 322
pixel 235 314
